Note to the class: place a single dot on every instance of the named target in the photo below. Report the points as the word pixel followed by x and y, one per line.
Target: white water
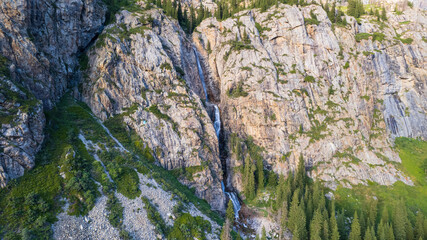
pixel 86 143
pixel 202 77
pixel 233 197
pixel 217 125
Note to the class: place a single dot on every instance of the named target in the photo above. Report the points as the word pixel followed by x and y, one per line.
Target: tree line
pixel 299 204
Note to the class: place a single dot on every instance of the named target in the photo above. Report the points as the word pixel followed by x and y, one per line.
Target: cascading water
pixel 217 123
pixel 202 77
pixel 217 126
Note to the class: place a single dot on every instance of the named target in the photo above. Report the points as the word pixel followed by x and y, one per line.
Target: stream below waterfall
pixel 217 126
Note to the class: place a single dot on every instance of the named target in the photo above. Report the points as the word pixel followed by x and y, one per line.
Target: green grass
pixel 413 154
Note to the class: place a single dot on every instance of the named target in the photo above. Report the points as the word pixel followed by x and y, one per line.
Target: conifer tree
pixel 355 229
pixel 230 212
pixel 260 173
pixel 389 232
pixel 383 15
pixel 341 224
pixel 419 226
pixel 316 226
pixel 272 177
pixel 297 219
pixel 325 233
pixel 225 232
pixel 334 233
pixel 381 230
pixel 399 220
pixel 264 234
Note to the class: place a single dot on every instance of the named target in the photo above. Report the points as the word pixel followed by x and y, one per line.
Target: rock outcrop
pixel 44 38
pixel 337 96
pixel 144 68
pixel 21 134
pixel 41 41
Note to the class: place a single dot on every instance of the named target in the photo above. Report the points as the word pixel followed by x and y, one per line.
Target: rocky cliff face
pixel 44 38
pixel 41 41
pixel 144 68
pixel 335 95
pixel 21 131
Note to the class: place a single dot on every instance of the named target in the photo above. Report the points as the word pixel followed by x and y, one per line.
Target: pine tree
pixel 230 212
pixel 316 226
pixel 260 171
pixel 341 224
pixel 297 220
pixel 300 176
pixel 208 48
pixel 225 232
pixel 334 233
pixel 282 216
pixel 272 176
pixel 381 231
pixel 250 179
pixel 355 229
pixel 264 234
pixel 383 15
pixel 325 233
pixel 419 226
pixel 389 232
pixel 399 220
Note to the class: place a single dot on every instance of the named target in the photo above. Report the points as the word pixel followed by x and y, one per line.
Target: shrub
pixel 362 36
pixel 309 79
pixel 237 91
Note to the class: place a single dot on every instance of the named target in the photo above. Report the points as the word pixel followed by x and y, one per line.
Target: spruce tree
pixel 230 212
pixel 399 220
pixel 381 231
pixel 333 227
pixel 419 226
pixel 260 171
pixel 325 233
pixel 300 176
pixel 383 15
pixel 297 219
pixel 264 234
pixel 225 232
pixel 355 229
pixel 316 226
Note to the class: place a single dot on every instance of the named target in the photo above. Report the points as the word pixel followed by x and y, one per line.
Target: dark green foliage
pixel 229 213
pixel 84 62
pixel 355 233
pixel 237 91
pixel 313 20
pixel 362 36
pixel 115 210
pixel 189 227
pixel 355 8
pixel 4 67
pixel 154 216
pixel 309 79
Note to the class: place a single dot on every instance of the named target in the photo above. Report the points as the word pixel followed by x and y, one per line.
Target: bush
pixel 189 227
pixel 362 36
pixel 237 91
pixel 309 79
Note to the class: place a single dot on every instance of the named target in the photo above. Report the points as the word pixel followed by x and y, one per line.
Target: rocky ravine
pixel 313 90
pixel 41 41
pixel 144 65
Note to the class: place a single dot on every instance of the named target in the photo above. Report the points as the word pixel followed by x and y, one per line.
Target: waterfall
pixel 202 77
pixel 217 125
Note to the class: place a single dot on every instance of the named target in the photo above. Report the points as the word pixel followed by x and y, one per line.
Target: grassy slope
pixel 414 157
pixel 64 123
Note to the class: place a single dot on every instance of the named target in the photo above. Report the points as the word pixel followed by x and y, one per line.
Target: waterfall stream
pixel 217 126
